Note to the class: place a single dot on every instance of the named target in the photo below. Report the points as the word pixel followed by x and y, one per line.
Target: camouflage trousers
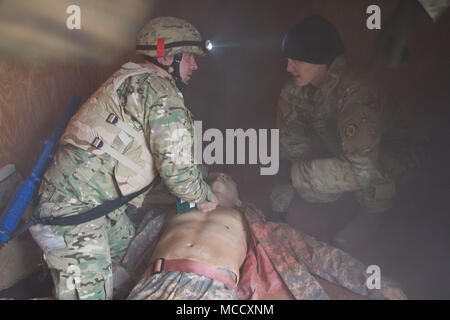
pixel 80 257
pixel 177 285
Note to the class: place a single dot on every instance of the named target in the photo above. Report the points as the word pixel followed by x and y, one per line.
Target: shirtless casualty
pixel 233 253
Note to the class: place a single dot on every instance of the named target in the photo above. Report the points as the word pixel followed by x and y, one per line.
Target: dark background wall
pixel 237 86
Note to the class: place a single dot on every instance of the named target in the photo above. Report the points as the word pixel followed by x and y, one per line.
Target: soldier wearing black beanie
pixel 313 40
pixel 331 131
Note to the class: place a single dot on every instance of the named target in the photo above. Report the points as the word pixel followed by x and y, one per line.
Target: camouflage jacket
pixel 346 117
pixel 298 258
pixel 148 103
pixel 169 129
pixel 295 256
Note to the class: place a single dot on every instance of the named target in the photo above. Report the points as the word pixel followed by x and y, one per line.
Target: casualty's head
pixel 310 47
pixel 225 189
pixel 172 43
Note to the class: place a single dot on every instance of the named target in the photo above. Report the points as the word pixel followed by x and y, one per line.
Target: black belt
pixel 92 214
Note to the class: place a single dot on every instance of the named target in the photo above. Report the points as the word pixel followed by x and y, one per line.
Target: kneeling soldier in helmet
pixel 134 127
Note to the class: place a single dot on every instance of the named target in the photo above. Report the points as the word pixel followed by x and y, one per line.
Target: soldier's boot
pixel 358 231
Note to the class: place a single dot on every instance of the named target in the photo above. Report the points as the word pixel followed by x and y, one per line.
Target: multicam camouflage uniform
pixel 151 116
pixel 332 134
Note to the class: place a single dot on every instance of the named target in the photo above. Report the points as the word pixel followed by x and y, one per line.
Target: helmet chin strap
pixel 176 69
pixel 176 73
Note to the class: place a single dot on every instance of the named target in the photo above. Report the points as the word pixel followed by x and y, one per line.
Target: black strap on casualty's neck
pixel 92 214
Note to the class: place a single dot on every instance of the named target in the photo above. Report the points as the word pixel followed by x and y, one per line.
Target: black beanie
pixel 313 40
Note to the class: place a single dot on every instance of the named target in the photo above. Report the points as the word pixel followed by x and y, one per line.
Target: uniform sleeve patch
pixel 284 107
pixel 350 130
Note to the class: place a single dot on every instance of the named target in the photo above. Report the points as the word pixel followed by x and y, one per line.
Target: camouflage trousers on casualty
pixel 80 257
pixel 177 285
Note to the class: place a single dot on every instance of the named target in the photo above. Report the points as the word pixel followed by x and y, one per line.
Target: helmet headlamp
pixel 206 46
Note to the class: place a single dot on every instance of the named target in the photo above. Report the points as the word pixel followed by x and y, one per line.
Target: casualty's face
pixel 187 66
pixel 305 73
pixel 225 189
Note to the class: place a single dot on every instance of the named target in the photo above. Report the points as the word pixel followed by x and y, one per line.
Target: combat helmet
pixel 170 36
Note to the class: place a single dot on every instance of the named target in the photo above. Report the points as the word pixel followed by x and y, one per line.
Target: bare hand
pixel 208 205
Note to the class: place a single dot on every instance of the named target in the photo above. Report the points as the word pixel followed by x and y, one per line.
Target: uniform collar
pixel 149 65
pixel 333 75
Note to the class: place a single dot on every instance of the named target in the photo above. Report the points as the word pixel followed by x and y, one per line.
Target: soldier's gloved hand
pixel 208 205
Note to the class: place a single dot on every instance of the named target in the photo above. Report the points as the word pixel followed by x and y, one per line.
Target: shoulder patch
pixel 284 107
pixel 350 130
